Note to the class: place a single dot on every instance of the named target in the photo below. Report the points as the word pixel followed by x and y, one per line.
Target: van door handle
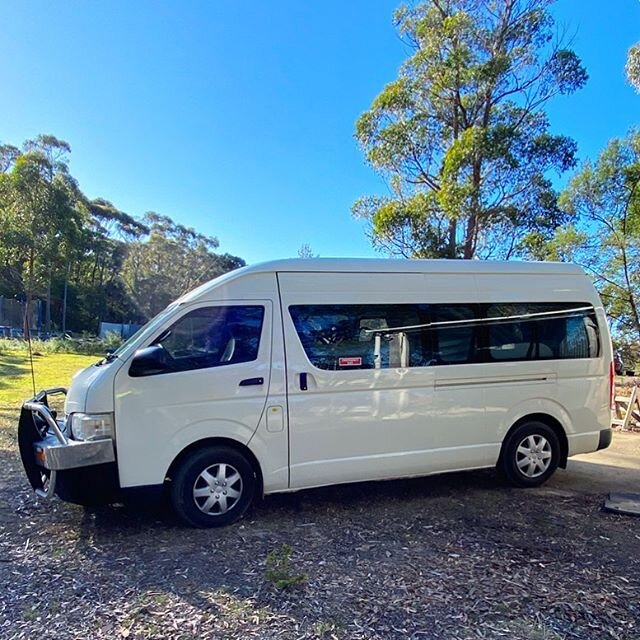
pixel 247 382
pixel 303 382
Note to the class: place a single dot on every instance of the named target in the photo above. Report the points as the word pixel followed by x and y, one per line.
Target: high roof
pixel 387 265
pixel 396 265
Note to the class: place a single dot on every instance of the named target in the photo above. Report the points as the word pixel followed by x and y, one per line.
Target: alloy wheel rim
pixel 217 489
pixel 533 456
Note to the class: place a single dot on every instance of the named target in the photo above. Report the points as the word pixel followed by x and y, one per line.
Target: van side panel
pixel 576 392
pixel 360 424
pixel 349 425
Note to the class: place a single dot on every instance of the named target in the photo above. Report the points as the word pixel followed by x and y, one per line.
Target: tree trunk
pixel 636 314
pixel 47 312
pixel 471 236
pixel 93 272
pixel 452 238
pixel 468 252
pixel 64 299
pixel 629 288
pixel 28 295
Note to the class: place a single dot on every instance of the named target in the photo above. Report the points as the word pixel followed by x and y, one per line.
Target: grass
pixel 50 369
pixel 278 569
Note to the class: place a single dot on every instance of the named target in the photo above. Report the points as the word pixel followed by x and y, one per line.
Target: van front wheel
pixel 530 454
pixel 212 487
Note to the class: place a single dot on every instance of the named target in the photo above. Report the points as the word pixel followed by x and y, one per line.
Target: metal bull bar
pixel 45 449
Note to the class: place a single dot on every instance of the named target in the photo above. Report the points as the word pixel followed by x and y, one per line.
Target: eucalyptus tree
pixel 633 66
pixel 172 260
pixel 39 216
pixel 93 266
pixel 604 201
pixel 305 251
pixel 86 257
pixel 461 136
pixel 8 155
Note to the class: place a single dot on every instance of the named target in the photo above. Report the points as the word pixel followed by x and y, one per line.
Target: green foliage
pixel 173 259
pixel 633 66
pixel 461 136
pixel 38 216
pixel 603 199
pixel 87 259
pixel 278 569
pixel 111 341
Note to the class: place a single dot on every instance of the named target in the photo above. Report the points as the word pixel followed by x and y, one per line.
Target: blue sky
pixel 237 117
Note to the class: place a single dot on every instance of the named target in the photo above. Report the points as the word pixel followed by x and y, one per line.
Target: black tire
pixel 193 510
pixel 521 469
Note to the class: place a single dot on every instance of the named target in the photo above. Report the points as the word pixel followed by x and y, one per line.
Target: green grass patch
pixel 51 370
pixel 278 569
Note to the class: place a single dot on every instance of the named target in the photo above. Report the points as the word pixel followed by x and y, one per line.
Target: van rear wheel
pixel 530 454
pixel 212 487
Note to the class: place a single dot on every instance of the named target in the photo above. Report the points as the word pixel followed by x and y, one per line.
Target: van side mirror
pixel 149 361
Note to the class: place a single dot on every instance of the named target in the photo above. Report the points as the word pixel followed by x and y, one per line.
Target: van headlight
pixel 92 426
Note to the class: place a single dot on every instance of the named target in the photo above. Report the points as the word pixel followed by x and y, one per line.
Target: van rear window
pixel 534 331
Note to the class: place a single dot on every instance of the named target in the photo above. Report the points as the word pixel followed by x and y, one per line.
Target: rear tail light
pixel 612 387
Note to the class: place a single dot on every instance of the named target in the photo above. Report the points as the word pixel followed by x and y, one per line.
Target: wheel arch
pixel 218 441
pixel 551 422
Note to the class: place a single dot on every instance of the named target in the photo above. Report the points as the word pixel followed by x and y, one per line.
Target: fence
pixel 124 330
pixel 12 313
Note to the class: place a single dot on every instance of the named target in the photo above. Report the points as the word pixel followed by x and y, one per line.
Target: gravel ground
pixel 451 557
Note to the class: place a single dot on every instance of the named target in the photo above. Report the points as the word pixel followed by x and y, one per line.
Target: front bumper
pixel 45 446
pixel 51 454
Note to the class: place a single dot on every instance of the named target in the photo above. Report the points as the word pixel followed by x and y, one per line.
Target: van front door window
pixel 213 337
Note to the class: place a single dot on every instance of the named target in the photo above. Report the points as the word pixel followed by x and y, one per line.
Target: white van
pixel 301 373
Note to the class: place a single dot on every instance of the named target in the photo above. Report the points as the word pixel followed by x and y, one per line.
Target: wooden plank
pixel 633 400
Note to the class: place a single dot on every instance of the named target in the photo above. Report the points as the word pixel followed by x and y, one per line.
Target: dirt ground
pixel 451 557
pixel 614 469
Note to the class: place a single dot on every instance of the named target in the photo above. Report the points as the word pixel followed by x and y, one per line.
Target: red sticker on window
pixel 350 362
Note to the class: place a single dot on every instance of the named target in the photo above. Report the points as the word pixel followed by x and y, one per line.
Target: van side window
pixel 377 336
pixel 340 337
pixel 570 334
pixel 511 337
pixel 453 333
pixel 537 331
pixel 213 337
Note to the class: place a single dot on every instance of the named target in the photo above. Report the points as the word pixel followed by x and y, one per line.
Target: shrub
pixel 83 346
pixel 278 569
